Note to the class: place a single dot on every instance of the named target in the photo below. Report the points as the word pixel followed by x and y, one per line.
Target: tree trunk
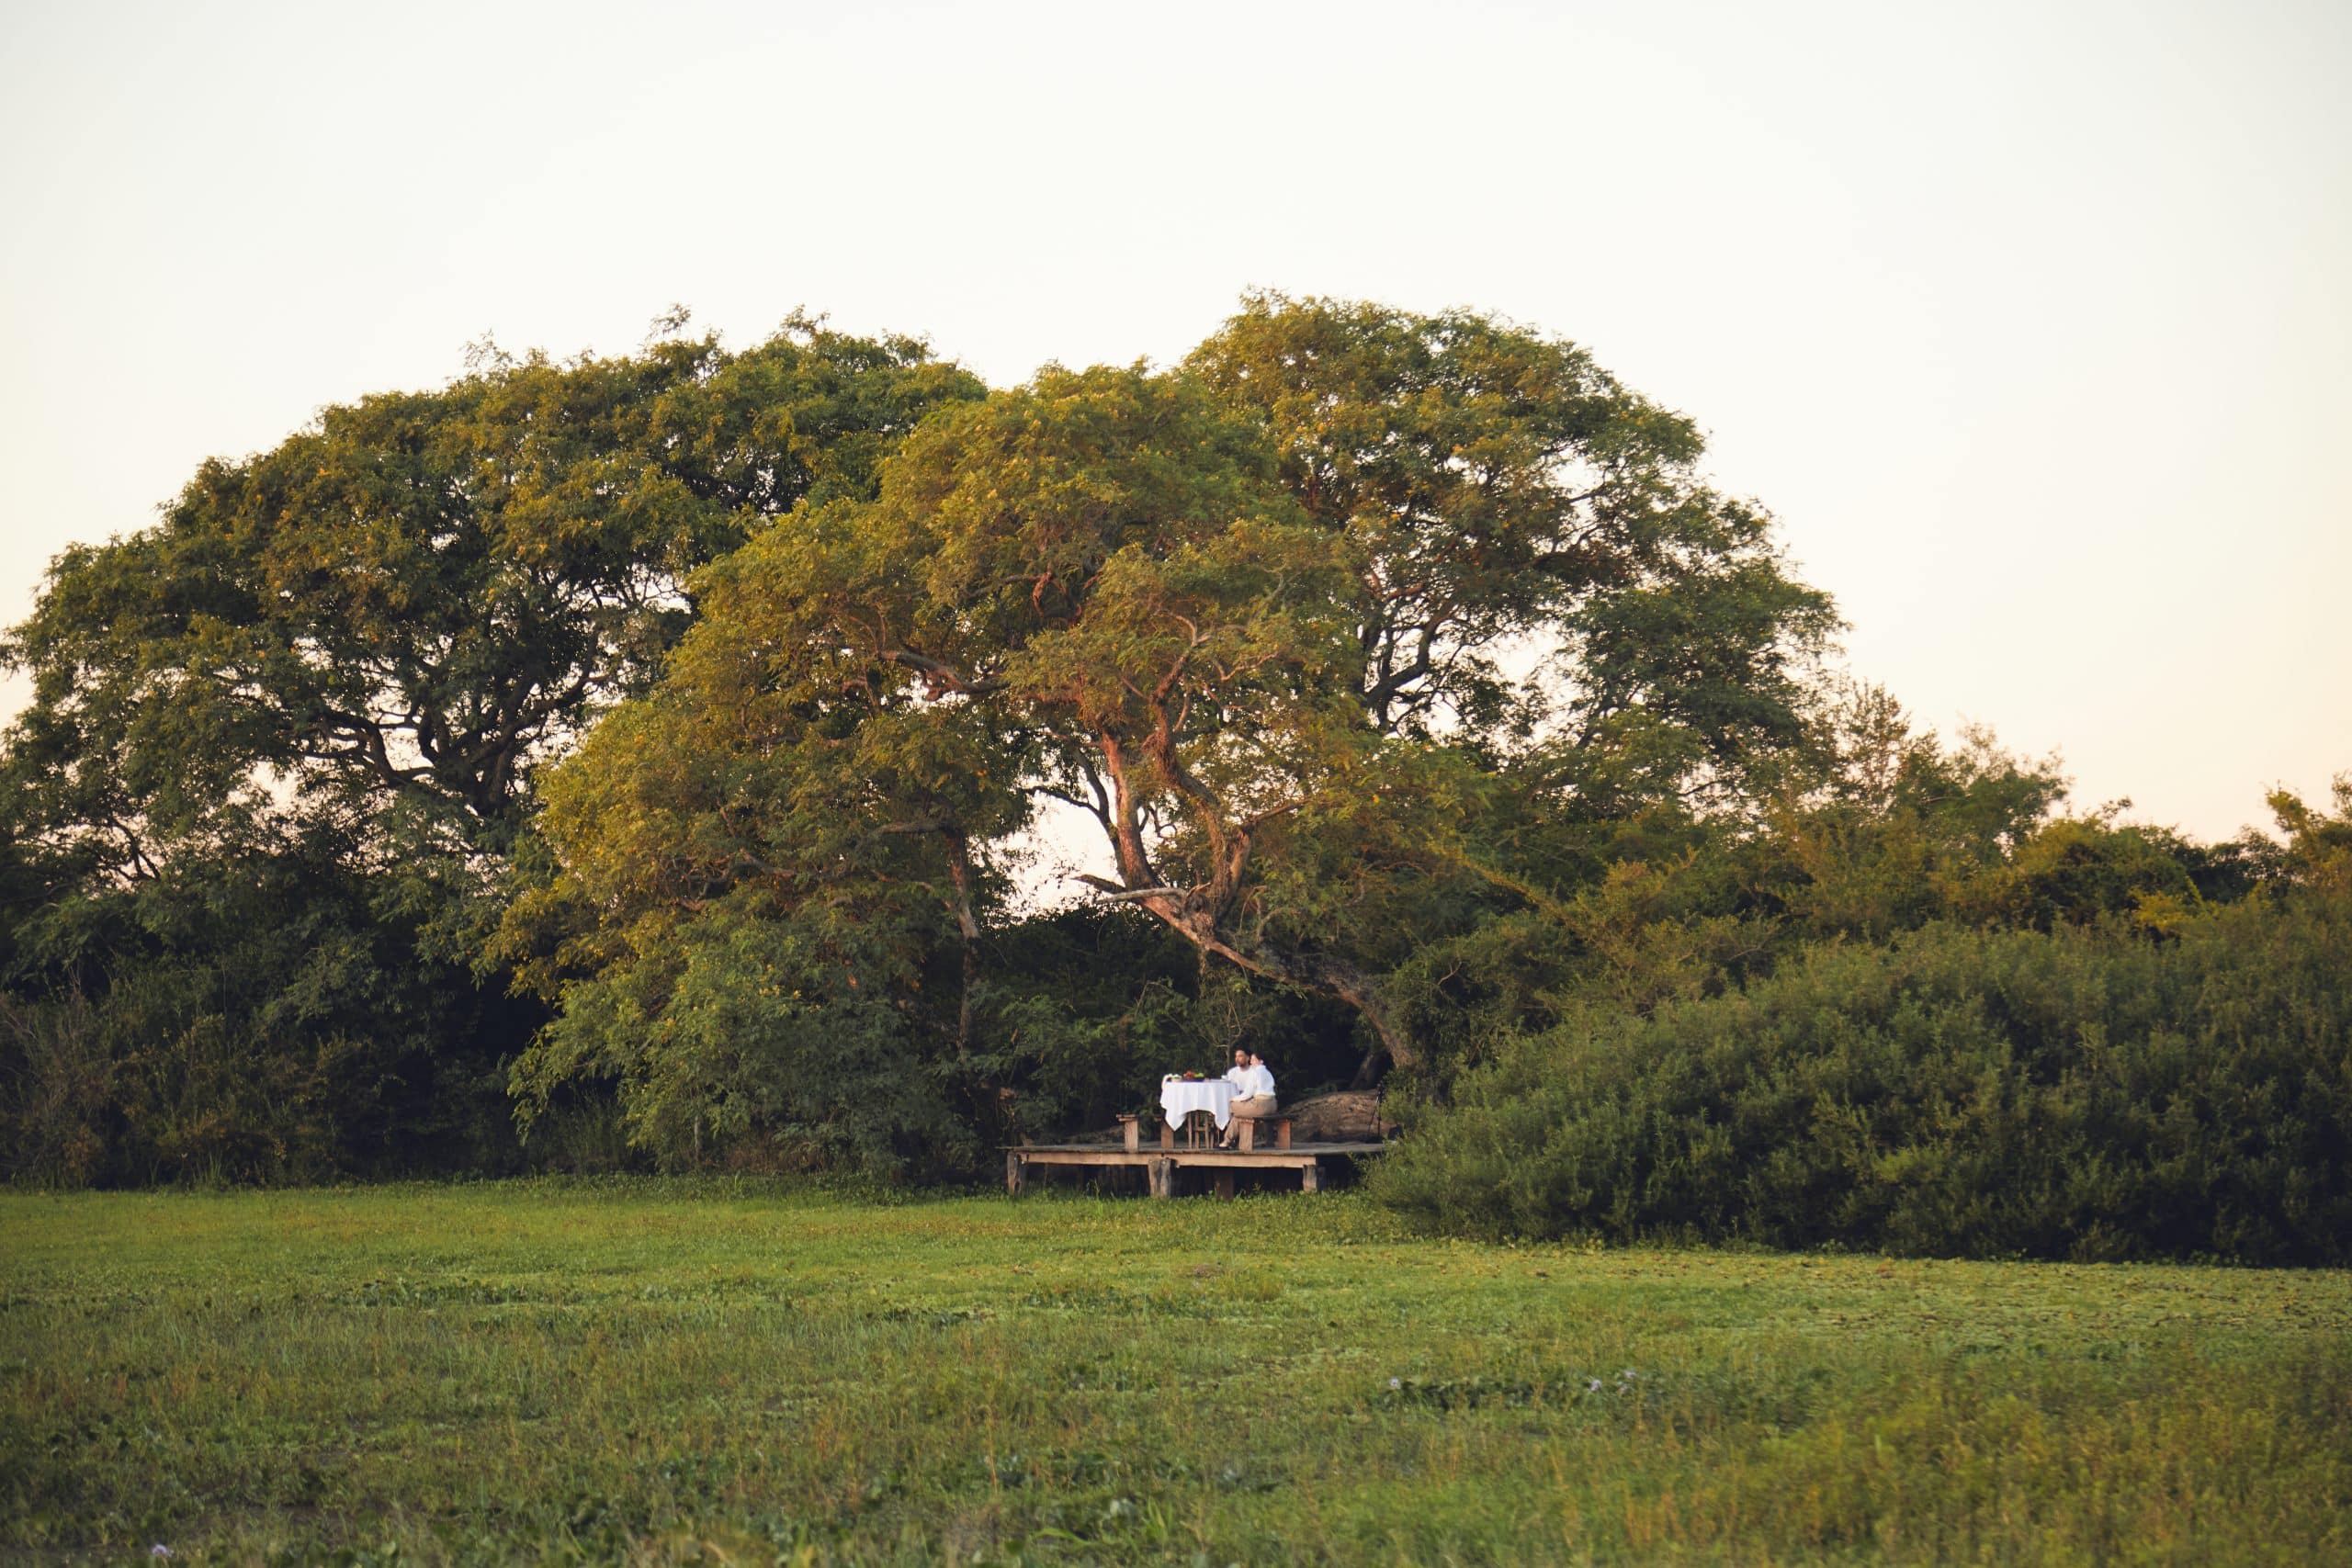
pixel 969 926
pixel 1193 914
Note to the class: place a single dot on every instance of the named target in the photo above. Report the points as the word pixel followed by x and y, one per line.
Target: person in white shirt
pixel 1253 1093
pixel 1237 1075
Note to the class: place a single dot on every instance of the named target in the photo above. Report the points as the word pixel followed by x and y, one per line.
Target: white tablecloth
pixel 1212 1095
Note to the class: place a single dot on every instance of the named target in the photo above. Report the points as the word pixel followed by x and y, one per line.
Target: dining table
pixel 1181 1099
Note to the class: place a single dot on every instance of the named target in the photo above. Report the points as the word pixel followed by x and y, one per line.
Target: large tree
pixel 281 744
pixel 1309 628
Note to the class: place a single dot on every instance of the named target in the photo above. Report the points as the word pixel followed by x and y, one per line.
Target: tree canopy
pixel 405 607
pixel 1314 630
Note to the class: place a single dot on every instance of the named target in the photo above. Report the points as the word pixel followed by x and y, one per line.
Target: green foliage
pixel 1496 486
pixel 260 1021
pixel 775 1036
pixel 1250 617
pixel 675 1372
pixel 419 597
pixel 1082 1010
pixel 278 763
pixel 2080 1092
pixel 1878 827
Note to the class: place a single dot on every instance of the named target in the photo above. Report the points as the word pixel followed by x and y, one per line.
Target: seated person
pixel 1253 1095
pixel 1237 1075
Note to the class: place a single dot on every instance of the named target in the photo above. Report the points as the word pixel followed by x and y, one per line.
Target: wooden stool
pixel 1250 1131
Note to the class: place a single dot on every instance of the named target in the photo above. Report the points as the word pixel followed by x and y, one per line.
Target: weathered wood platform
pixel 1161 1166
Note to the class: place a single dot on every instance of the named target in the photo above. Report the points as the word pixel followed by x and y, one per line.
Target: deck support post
pixel 1310 1177
pixel 1015 1176
pixel 1225 1184
pixel 1162 1173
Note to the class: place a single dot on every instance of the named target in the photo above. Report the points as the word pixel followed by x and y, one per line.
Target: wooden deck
pixel 1161 1166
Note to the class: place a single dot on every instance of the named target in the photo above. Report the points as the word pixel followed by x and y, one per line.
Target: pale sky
pixel 2032 323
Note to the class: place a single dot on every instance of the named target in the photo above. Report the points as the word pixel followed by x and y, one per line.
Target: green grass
pixel 673 1372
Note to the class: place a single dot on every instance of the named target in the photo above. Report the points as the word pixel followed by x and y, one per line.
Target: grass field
pixel 680 1373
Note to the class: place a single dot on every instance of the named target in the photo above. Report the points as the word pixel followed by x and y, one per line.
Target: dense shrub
pixel 277 1019
pixel 2079 1092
